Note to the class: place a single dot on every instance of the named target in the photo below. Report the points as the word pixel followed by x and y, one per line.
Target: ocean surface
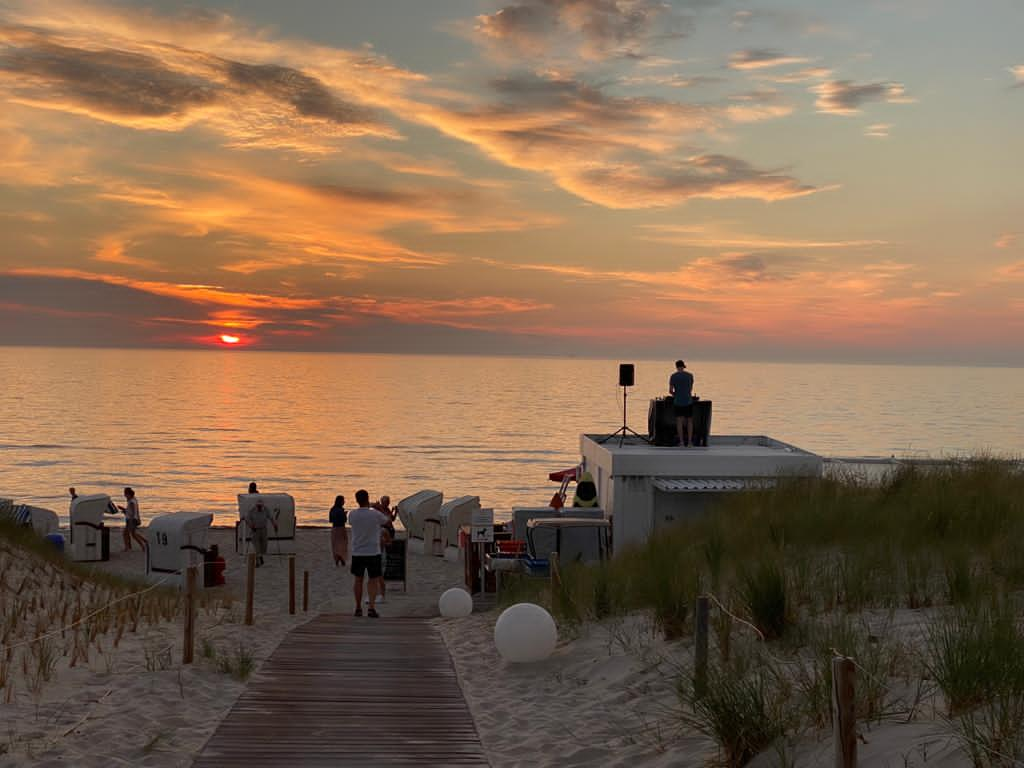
pixel 189 429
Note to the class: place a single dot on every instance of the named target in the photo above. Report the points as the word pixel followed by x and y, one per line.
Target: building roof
pixel 726 456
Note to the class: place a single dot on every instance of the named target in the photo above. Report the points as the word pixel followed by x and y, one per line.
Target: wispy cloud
pixel 798 76
pixel 277 313
pixel 595 29
pixel 113 250
pixel 1018 75
pixel 1013 271
pixel 762 58
pixel 766 296
pixel 704 237
pixel 215 295
pixel 615 151
pixel 1007 240
pixel 844 97
pixel 878 130
pixel 670 80
pixel 157 86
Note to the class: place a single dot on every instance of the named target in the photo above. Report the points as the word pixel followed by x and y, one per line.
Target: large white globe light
pixel 525 632
pixel 455 603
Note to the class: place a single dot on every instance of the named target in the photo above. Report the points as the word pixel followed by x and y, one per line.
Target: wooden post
pixel 700 647
pixel 305 591
pixel 556 576
pixel 844 713
pixel 291 584
pixel 188 647
pixel 250 587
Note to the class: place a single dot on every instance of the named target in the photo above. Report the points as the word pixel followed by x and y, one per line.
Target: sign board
pixel 482 526
pixel 395 562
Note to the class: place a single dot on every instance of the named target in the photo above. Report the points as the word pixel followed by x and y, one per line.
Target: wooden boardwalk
pixel 344 691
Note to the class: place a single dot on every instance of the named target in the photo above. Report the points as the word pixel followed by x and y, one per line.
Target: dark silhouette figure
pixel 132 520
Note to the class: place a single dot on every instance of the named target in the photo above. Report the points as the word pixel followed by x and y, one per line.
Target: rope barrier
pixel 734 617
pixel 4 649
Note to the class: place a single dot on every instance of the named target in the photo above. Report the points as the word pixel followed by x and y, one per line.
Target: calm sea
pixel 189 429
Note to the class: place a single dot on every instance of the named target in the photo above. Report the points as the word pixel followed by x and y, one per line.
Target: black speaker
pixel 625 374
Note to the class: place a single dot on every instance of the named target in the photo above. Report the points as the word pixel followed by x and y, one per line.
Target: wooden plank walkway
pixel 344 691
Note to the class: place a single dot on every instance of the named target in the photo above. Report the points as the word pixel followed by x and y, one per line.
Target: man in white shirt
pixel 366 523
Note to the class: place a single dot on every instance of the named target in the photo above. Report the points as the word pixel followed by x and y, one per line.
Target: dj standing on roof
pixel 680 386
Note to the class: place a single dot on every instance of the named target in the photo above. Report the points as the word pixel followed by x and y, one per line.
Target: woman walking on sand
pixel 132 520
pixel 339 534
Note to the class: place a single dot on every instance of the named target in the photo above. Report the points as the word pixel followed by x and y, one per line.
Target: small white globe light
pixel 525 632
pixel 455 603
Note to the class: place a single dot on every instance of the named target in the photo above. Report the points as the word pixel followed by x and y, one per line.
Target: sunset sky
pixel 819 180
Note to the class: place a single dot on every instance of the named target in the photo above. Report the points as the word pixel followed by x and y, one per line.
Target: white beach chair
pixel 455 514
pixel 414 510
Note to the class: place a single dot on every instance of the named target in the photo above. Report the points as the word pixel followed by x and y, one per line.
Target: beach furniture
pixel 522 515
pixel 414 510
pixel 43 521
pixel 90 538
pixel 575 539
pixel 176 542
pixel 453 515
pixel 280 541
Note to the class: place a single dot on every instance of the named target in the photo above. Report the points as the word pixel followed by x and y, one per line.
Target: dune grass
pixel 54 611
pixel 794 559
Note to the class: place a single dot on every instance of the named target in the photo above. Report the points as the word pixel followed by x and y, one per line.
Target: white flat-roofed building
pixel 643 487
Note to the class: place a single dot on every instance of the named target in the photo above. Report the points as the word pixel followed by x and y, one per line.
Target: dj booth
pixel 661 422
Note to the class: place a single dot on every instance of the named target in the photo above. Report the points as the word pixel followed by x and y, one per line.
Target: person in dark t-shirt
pixel 680 386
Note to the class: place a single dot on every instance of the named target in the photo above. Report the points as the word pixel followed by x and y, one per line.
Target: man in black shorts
pixel 680 386
pixel 366 523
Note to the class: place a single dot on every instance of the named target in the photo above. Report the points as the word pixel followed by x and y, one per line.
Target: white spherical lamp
pixel 455 603
pixel 525 632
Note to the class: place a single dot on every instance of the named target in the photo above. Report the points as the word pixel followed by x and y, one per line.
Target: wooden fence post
pixel 700 647
pixel 844 712
pixel 291 584
pixel 305 591
pixel 188 647
pixel 556 576
pixel 250 587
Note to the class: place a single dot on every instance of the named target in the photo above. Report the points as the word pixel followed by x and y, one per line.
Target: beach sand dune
pixel 137 705
pixel 606 697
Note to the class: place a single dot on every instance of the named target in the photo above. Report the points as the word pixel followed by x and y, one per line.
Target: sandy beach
pixel 138 705
pixel 606 697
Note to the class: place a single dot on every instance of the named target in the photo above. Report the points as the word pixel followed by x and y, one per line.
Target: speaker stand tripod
pixel 623 431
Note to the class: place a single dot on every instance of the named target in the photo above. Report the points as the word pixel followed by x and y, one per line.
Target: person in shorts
pixel 680 386
pixel 258 518
pixel 366 522
pixel 132 520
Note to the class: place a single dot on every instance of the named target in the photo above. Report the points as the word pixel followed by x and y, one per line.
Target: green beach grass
pixel 815 567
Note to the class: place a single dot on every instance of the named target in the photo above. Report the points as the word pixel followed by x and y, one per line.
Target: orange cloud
pixel 619 153
pixel 1013 271
pixel 844 97
pixel 703 237
pixel 198 294
pixel 762 58
pixel 112 251
pixel 143 71
pixel 467 313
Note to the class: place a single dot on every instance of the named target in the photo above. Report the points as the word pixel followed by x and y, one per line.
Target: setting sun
pixel 229 339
